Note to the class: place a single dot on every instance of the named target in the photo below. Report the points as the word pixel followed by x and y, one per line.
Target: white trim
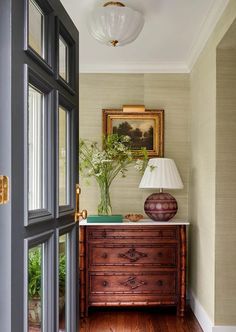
pixel 203 318
pixel 135 67
pixel 224 329
pixel 142 222
pixel 209 24
pixel 200 313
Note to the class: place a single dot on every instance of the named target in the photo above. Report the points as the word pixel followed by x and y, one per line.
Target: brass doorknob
pixel 83 214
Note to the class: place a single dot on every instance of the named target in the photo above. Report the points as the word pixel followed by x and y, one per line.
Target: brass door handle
pixel 4 189
pixel 79 214
pixel 83 214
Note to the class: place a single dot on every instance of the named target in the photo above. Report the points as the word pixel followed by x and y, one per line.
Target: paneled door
pixel 39 158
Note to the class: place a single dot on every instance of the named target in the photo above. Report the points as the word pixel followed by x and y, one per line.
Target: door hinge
pixel 4 189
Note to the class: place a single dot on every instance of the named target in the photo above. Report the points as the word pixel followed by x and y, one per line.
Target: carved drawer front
pixel 144 283
pixel 134 234
pixel 158 255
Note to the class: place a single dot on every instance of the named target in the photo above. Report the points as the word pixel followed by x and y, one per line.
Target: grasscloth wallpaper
pixel 213 227
pixel 225 304
pixel 156 91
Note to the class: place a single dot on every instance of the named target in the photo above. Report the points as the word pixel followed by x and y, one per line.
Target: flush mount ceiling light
pixel 114 24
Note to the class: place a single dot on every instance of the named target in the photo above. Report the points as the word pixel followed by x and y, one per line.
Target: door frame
pixel 5 165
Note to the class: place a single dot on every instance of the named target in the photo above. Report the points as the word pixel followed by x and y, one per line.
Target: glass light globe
pixel 115 25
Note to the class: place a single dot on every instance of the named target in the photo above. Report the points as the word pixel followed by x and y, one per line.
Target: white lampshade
pixel 115 25
pixel 161 173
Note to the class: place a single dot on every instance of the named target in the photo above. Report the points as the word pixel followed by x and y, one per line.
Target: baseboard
pixel 200 313
pixel 224 329
pixel 203 318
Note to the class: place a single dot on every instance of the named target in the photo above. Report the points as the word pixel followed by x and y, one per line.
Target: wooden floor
pixel 152 320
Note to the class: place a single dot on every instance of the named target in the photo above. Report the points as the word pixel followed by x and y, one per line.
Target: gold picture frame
pixel 145 128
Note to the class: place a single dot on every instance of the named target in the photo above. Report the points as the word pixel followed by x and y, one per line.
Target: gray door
pixel 38 147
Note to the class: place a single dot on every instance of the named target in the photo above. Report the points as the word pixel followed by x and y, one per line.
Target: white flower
pixel 139 165
pixel 106 161
pixel 129 154
pixel 121 147
pixel 126 138
pixel 98 174
pixel 98 158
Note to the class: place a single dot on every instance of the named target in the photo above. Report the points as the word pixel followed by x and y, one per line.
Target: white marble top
pixel 142 222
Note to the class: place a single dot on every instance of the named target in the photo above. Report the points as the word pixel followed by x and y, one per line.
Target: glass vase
pixel 104 207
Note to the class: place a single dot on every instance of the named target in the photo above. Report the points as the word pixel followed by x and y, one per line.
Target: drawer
pixel 110 255
pixel 133 233
pixel 162 283
pixel 106 299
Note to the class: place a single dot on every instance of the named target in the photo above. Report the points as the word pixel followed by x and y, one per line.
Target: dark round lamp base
pixel 160 206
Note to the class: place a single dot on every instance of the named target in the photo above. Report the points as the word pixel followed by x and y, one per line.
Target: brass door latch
pixel 79 214
pixel 4 189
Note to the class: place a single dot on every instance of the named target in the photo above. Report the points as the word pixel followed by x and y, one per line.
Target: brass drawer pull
pixel 132 255
pixel 133 283
pixel 104 255
pixel 105 283
pixel 104 234
pixel 160 282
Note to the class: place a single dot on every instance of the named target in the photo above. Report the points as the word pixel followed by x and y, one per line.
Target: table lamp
pixel 161 173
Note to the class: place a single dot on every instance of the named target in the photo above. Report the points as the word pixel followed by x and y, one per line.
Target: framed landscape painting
pixel 146 129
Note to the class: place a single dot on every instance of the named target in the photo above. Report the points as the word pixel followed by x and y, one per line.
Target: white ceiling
pixel 174 33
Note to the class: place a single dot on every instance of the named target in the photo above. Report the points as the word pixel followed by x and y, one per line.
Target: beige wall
pixel 156 91
pixel 205 233
pixel 202 182
pixel 225 280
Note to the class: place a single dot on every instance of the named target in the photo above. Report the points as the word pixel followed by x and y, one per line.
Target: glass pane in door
pixel 63 59
pixel 62 276
pixel 36 28
pixel 63 157
pixel 35 289
pixel 36 150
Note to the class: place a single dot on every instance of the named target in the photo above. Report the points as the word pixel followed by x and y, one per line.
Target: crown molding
pixel 135 68
pixel 215 12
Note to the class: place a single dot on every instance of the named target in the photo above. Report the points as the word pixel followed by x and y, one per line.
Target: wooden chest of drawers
pixel 128 265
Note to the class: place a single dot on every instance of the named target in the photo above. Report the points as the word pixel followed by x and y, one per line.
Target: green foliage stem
pixel 35 273
pixel 106 162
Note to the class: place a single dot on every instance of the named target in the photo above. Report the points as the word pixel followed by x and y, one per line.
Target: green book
pixel 103 219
